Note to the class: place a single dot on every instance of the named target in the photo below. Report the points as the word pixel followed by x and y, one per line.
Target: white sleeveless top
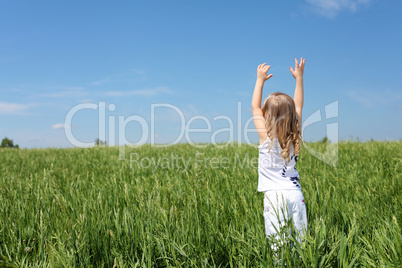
pixel 273 172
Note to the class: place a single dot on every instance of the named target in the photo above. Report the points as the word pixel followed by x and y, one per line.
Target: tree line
pixel 8 143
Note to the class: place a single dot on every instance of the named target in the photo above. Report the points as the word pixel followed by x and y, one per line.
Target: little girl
pixel 278 125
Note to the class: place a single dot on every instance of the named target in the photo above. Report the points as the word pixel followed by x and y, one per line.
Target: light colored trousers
pixel 281 206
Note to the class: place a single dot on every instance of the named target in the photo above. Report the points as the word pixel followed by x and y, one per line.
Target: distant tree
pixel 7 143
pixel 98 142
pixel 324 140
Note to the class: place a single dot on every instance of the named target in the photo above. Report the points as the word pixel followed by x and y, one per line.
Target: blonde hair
pixel 281 122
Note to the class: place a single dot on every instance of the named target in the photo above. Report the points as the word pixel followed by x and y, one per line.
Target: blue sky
pixel 199 56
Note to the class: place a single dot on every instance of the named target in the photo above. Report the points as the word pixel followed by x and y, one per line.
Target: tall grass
pixel 86 208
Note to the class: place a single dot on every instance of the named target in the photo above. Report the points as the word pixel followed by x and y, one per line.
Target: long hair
pixel 281 122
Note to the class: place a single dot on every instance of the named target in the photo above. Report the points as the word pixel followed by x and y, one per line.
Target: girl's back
pixel 274 172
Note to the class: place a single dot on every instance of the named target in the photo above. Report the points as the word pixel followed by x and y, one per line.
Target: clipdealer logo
pixel 117 124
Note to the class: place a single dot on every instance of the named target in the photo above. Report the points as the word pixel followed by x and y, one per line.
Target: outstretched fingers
pixel 292 71
pixel 299 67
pixel 262 71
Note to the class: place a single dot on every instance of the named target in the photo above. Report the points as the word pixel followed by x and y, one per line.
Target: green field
pixel 86 208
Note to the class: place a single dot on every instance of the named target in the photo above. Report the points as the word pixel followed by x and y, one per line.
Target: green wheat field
pixel 183 206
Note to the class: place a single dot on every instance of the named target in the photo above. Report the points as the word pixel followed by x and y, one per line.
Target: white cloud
pixel 12 108
pixel 331 8
pixel 371 99
pixel 141 92
pixel 60 126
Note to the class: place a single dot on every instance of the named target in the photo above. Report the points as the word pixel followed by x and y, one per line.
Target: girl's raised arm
pixel 258 115
pixel 299 91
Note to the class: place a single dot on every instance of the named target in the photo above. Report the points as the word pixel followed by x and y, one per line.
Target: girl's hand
pixel 299 69
pixel 262 71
